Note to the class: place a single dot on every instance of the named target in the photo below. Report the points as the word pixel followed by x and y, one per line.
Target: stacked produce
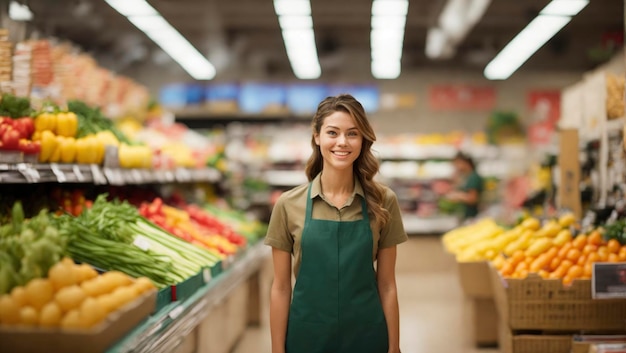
pixel 28 248
pixel 614 96
pixel 113 236
pixel 42 63
pixel 5 57
pixel 72 296
pixel 194 226
pixel 549 250
pixel 22 69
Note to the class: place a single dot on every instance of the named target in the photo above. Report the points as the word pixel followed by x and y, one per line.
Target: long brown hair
pixel 366 166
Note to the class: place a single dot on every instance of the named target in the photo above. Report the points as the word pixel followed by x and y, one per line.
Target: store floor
pixel 433 314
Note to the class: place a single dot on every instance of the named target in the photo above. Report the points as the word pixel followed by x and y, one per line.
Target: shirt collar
pixel 316 188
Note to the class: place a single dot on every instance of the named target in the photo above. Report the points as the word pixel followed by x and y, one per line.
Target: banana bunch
pixel 485 239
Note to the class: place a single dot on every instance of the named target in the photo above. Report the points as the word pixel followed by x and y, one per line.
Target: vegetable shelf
pixel 26 173
pixel 165 330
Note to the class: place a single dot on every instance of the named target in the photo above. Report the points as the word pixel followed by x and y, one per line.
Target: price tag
pixel 136 176
pixel 31 175
pixel 79 175
pixel 206 273
pixel 176 312
pixel 169 176
pixel 608 280
pixel 142 243
pixel 58 173
pixel 96 173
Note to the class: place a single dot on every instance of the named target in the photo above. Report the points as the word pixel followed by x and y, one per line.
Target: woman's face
pixel 461 166
pixel 339 140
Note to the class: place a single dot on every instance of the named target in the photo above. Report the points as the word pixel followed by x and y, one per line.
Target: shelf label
pixel 206 273
pixel 176 312
pixel 608 280
pixel 98 177
pixel 79 175
pixel 58 173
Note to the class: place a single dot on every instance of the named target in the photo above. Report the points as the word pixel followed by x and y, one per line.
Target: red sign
pixel 461 97
pixel 544 106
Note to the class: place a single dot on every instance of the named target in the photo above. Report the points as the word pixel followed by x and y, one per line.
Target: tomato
pixel 11 138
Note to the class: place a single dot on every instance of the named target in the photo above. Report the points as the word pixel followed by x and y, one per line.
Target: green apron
pixel 336 307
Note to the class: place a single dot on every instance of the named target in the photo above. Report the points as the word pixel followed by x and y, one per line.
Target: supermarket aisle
pixel 433 313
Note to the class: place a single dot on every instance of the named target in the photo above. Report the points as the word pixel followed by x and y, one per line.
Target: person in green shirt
pixel 469 185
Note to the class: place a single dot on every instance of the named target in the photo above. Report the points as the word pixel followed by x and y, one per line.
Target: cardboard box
pixel 524 343
pixel 475 279
pixel 98 339
pixel 534 303
pixel 485 320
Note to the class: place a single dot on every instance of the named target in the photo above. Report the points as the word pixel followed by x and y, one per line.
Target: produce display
pixel 28 248
pixel 614 96
pixel 72 297
pixel 552 250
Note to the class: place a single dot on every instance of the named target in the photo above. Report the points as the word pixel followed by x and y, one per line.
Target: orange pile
pixel 572 260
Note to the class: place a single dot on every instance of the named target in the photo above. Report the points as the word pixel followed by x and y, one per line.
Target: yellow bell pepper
pixel 68 150
pixel 82 151
pixel 48 145
pixel 45 121
pixel 66 124
pixel 55 157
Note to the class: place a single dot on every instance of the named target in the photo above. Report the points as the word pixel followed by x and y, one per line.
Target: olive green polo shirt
pixel 287 219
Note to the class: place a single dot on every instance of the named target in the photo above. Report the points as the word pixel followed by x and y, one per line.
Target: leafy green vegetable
pixel 14 107
pixel 28 248
pixel 91 121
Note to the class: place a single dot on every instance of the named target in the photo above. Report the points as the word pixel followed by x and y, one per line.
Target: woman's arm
pixel 386 278
pixel 469 197
pixel 280 299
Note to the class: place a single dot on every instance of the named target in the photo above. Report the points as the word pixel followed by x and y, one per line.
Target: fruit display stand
pixel 211 320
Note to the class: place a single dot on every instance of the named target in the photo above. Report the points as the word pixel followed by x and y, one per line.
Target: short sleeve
pixel 393 232
pixel 278 235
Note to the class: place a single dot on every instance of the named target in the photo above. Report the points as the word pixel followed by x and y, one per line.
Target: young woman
pixel 335 228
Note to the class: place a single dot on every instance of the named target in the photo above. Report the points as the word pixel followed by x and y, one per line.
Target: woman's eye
pixel 332 133
pixel 353 133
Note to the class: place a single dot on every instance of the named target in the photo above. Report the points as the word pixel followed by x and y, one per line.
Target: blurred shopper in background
pixel 469 186
pixel 335 228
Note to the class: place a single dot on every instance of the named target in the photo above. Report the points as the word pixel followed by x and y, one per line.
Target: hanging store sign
pixel 461 97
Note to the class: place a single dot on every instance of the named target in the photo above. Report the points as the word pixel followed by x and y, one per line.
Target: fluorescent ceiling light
pixel 386 69
pixel 564 7
pixel 436 42
pixel 388 22
pixel 525 44
pixel 132 7
pixel 295 22
pixel 294 18
pixel 476 11
pixel 292 7
pixel 390 7
pixel 19 12
pixel 149 23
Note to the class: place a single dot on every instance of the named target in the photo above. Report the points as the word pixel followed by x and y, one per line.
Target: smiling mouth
pixel 341 153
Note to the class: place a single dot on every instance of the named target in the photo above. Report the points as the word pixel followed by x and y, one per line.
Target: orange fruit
pixel 517 257
pixel 521 266
pixel 564 249
pixel 587 270
pixel 523 273
pixel 593 257
pixel 589 248
pixel 567 280
pixel 566 264
pixel 529 260
pixel 622 253
pixel 555 263
pixel 543 274
pixel 539 263
pixel 595 238
pixel 582 260
pixel 613 257
pixel 613 246
pixel 575 271
pixel 603 251
pixel 579 242
pixel 573 254
pixel 507 269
